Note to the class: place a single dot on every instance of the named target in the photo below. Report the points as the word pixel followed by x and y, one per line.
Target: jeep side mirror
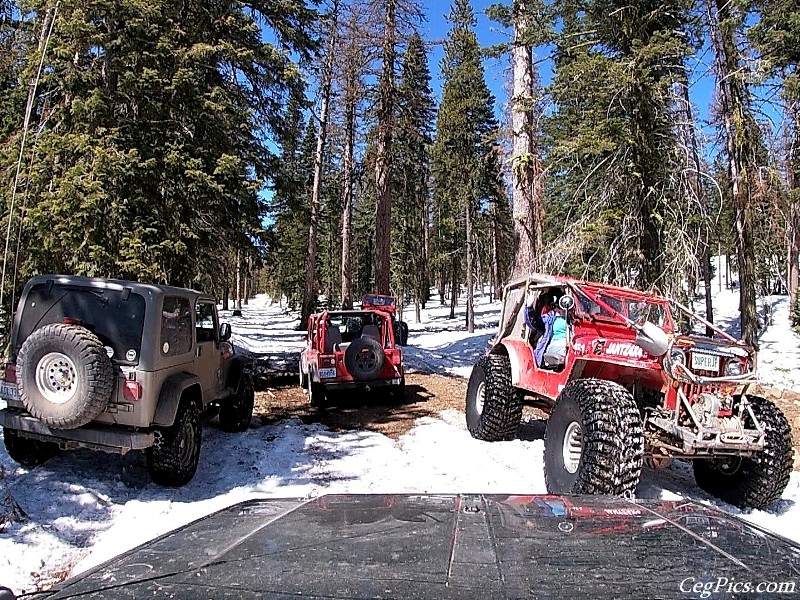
pixel 566 303
pixel 225 332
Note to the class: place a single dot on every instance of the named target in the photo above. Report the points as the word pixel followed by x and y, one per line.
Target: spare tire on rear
pixel 364 359
pixel 65 376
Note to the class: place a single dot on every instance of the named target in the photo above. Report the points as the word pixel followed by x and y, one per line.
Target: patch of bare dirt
pixel 426 396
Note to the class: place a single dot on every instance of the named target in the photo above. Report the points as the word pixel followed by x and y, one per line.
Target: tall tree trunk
pixel 793 224
pixel 470 260
pixel 454 287
pixel 497 282
pixel 248 279
pixel 383 153
pixel 696 185
pixel 347 195
pixel 735 113
pixel 424 276
pixel 238 303
pixel 309 292
pixel 525 159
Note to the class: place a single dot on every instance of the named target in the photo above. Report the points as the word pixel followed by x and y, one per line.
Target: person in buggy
pixel 548 324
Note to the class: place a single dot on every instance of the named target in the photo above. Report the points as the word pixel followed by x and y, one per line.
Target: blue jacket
pixel 549 319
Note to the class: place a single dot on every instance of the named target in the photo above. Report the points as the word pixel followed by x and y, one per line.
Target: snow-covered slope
pixel 85 507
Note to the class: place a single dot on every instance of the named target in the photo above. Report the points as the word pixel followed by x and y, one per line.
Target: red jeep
pixel 629 380
pixel 351 349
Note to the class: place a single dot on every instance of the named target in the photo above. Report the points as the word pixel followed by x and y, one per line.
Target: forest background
pixel 318 151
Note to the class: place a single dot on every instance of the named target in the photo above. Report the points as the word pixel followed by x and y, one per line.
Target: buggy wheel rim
pixel 56 377
pixel 573 447
pixel 729 466
pixel 480 397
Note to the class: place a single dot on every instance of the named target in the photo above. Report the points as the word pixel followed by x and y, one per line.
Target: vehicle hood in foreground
pixel 445 546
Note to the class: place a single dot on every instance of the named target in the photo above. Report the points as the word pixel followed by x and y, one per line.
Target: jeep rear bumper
pixel 363 385
pixel 98 437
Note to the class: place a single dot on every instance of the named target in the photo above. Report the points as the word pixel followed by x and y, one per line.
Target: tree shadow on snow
pixel 75 496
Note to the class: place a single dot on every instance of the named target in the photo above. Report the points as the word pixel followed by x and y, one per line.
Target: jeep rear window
pixel 114 316
pixel 176 326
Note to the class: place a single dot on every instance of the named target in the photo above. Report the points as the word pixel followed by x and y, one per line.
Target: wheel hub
pixel 480 397
pixel 56 377
pixel 573 447
pixel 366 360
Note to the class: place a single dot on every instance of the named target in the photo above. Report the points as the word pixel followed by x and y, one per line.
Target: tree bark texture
pixel 741 162
pixel 526 163
pixel 309 292
pixel 383 151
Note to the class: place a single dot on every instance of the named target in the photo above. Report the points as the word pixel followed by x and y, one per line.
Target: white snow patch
pixel 86 507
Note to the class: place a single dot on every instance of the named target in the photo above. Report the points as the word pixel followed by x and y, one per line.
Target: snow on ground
pixel 83 507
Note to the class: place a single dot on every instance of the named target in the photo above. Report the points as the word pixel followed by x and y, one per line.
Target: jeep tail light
pixel 10 373
pixel 132 390
pixel 71 321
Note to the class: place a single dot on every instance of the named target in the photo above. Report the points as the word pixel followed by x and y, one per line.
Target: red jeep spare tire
pixel 65 376
pixel 364 359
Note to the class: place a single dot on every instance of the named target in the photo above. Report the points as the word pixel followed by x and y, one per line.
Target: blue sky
pixel 489 33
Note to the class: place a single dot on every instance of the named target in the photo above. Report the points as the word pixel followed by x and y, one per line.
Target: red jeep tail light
pixel 71 321
pixel 10 373
pixel 132 390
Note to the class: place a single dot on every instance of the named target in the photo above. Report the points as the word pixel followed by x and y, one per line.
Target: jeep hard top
pixel 118 365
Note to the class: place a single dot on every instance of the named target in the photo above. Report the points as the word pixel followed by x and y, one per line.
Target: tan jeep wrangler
pixel 117 366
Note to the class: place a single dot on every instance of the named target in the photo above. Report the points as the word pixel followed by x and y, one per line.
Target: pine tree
pixel 744 151
pixel 153 120
pixel 412 171
pixel 531 23
pixel 461 155
pixel 777 37
pixel 612 138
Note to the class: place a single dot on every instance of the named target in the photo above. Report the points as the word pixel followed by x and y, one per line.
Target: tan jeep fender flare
pixel 520 355
pixel 171 392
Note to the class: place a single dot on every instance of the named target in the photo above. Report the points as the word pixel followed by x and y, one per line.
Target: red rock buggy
pixel 638 382
pixel 351 350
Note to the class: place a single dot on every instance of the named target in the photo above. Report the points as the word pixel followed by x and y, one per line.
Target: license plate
pixel 9 390
pixel 705 362
pixel 327 373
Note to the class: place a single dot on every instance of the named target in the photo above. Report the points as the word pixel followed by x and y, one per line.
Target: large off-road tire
pixel 26 451
pixel 316 392
pixel 594 442
pixel 364 359
pixel 398 392
pixel 172 459
pixel 65 376
pixel 401 333
pixel 494 407
pixel 757 481
pixel 236 412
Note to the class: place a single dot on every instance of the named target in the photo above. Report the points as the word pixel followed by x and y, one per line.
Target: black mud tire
pixel 26 451
pixel 398 392
pixel 757 481
pixel 316 392
pixel 401 333
pixel 65 376
pixel 602 421
pixel 236 412
pixel 364 359
pixel 494 407
pixel 172 460
pixel 316 395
